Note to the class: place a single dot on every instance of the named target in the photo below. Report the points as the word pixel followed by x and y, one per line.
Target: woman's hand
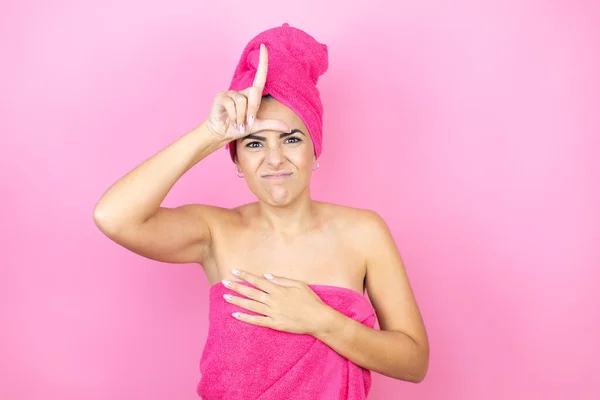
pixel 233 114
pixel 284 304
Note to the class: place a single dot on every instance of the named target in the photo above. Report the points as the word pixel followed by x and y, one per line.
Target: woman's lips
pixel 278 176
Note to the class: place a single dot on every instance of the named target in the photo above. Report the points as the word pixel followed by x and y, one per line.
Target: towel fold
pixel 241 361
pixel 296 61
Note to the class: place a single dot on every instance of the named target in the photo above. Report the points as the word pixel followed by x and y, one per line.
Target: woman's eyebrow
pixel 286 134
pixel 281 136
pixel 253 137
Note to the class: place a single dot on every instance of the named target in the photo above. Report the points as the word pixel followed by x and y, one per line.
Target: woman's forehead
pixel 273 109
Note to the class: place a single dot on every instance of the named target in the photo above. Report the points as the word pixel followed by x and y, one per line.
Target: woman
pixel 293 269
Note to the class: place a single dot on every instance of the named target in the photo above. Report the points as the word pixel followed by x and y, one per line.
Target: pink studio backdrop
pixel 471 126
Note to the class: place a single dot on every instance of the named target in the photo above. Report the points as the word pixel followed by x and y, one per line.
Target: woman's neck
pixel 296 217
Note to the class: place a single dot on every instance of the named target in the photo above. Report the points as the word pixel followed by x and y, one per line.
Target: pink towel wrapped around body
pixel 241 361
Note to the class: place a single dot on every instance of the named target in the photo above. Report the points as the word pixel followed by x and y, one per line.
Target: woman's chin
pixel 279 195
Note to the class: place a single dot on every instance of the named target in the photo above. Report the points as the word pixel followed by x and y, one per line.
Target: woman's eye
pixel 253 144
pixel 293 140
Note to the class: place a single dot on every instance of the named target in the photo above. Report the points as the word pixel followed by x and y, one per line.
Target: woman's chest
pixel 313 260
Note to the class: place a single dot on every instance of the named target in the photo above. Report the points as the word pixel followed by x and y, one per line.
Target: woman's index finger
pixel 260 79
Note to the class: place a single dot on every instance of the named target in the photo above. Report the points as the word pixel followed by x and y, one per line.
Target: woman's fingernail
pixel 235 314
pixel 235 272
pixel 242 129
pixel 228 297
pixel 250 121
pixel 226 283
pixel 269 276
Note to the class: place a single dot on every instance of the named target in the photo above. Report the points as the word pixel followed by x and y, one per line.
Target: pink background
pixel 472 127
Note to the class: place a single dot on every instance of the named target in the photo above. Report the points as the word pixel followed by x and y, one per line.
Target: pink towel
pixel 241 361
pixel 296 61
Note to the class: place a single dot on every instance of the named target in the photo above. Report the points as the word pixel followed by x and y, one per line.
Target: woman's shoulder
pixel 364 230
pixel 355 217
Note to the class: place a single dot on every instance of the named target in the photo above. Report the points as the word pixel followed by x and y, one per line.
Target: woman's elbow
pixel 420 366
pixel 416 376
pixel 423 364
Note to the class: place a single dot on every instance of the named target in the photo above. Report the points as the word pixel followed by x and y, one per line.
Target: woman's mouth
pixel 277 176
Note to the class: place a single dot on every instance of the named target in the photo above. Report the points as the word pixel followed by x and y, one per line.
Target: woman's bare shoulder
pixel 354 216
pixel 359 225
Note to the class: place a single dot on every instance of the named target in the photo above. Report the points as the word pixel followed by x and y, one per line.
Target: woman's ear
pixel 238 171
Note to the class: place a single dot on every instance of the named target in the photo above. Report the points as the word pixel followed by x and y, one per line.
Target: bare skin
pixel 284 233
pixel 327 252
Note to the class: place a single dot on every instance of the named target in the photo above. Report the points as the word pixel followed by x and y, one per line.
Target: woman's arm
pixel 129 212
pixel 400 349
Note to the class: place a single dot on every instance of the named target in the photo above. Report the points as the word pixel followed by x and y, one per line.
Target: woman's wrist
pixel 206 141
pixel 327 321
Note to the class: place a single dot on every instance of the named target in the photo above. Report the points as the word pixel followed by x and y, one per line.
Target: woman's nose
pixel 275 156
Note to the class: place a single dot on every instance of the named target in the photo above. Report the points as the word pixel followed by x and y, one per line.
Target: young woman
pixel 288 319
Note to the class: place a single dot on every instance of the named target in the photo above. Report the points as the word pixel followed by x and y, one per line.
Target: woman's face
pixel 277 166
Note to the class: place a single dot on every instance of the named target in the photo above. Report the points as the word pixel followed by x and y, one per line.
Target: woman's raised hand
pixel 233 114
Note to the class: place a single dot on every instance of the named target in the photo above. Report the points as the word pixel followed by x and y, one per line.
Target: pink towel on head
pixel 241 361
pixel 296 61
